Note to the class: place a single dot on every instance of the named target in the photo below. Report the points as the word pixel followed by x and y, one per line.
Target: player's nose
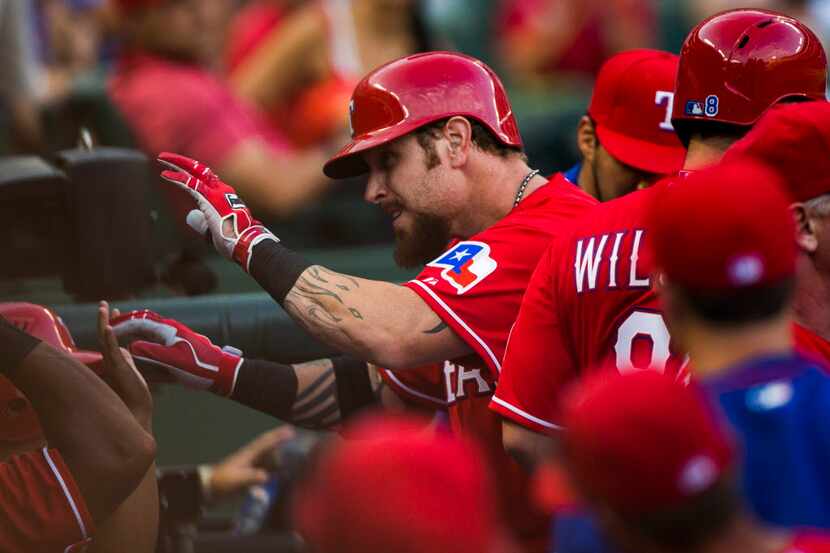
pixel 375 188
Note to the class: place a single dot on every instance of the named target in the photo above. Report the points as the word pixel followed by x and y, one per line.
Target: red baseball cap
pixel 794 140
pixel 632 105
pixel 724 228
pixel 642 442
pixel 18 421
pixel 395 485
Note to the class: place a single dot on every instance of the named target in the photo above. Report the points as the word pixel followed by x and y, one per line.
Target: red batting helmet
pixel 18 421
pixel 735 65
pixel 413 91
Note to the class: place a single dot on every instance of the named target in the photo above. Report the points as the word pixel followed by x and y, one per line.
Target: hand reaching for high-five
pixel 232 227
pixel 120 371
pixel 168 345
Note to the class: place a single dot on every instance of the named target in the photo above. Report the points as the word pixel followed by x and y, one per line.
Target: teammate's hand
pixel 120 371
pixel 248 466
pixel 189 357
pixel 233 229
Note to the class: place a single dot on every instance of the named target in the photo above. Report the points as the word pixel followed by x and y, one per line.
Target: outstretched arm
pixel 315 395
pixel 384 323
pixel 105 448
pixel 379 322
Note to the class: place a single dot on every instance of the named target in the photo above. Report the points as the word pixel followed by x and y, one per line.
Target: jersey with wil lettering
pixel 476 288
pixel 590 304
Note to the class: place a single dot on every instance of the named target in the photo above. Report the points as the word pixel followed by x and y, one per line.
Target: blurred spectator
pixel 20 76
pixel 660 469
pixel 556 41
pixel 299 61
pixel 172 100
pixel 417 492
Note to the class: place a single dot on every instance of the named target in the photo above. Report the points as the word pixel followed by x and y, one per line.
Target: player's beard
pixel 426 240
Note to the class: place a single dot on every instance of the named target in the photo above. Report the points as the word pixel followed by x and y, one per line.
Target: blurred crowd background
pixel 71 63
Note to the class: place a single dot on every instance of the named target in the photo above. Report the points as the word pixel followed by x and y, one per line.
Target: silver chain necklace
pixel 525 181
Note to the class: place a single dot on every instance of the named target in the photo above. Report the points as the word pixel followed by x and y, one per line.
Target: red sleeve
pixel 538 361
pixel 476 288
pixel 421 387
pixel 41 507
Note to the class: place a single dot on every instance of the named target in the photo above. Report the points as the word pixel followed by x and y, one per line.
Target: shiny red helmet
pixel 737 64
pixel 18 421
pixel 413 91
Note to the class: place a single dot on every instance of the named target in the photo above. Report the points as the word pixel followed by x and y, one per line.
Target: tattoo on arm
pixel 316 406
pixel 317 286
pixel 437 328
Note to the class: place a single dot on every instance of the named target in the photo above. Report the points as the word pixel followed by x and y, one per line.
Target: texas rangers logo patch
pixel 465 265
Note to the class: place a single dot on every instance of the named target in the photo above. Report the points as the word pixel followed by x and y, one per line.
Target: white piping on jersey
pixel 412 391
pixel 493 358
pixel 68 495
pixel 526 415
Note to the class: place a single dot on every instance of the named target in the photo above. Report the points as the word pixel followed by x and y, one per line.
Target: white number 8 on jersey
pixel 647 325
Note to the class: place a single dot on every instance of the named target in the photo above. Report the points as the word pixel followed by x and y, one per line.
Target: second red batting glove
pixel 233 229
pixel 189 357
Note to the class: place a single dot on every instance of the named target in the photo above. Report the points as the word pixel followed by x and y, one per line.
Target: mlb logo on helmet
pixel 465 265
pixel 710 108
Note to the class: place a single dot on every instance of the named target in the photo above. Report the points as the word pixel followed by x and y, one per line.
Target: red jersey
pixel 476 288
pixel 813 542
pixel 41 507
pixel 589 304
pixel 811 344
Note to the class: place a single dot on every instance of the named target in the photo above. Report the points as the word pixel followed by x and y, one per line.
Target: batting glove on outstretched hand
pixel 233 229
pixel 189 357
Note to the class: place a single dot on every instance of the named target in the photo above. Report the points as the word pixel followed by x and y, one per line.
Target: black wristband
pixel 15 345
pixel 276 268
pixel 354 389
pixel 267 387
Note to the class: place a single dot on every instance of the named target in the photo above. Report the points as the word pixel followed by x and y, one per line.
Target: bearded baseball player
pixel 591 302
pixel 436 135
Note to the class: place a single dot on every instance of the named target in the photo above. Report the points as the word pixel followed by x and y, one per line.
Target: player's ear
pixel 586 139
pixel 459 135
pixel 805 229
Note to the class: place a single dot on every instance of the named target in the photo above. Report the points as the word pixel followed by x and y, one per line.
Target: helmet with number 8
pixel 411 92
pixel 737 64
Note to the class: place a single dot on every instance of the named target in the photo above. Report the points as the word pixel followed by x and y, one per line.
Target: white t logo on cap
pixel 667 98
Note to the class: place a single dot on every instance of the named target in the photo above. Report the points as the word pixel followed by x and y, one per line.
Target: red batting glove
pixel 189 357
pixel 221 212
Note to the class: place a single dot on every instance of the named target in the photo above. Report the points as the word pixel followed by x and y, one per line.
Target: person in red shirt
pixel 795 141
pixel 437 137
pixel 100 451
pixel 164 87
pixel 436 492
pixel 660 466
pixel 591 301
pixel 626 138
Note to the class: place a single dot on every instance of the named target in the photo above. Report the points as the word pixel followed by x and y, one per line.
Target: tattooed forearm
pixel 316 405
pixel 320 298
pixel 437 328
